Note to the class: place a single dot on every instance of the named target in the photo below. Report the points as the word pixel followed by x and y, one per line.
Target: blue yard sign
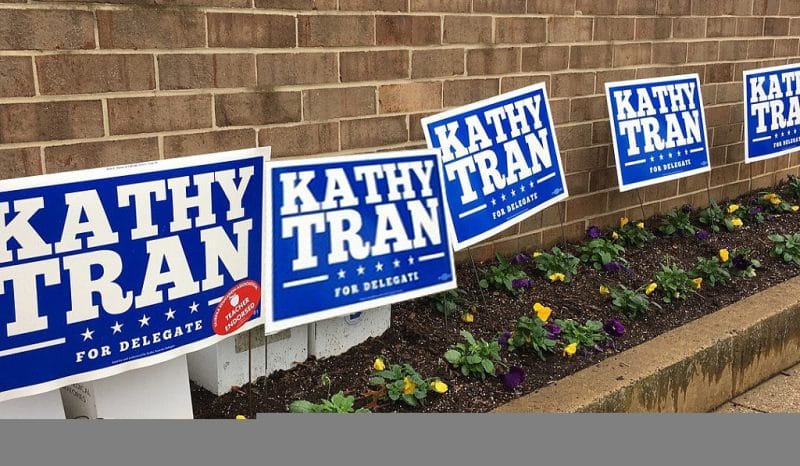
pixel 659 130
pixel 501 162
pixel 771 112
pixel 108 270
pixel 353 233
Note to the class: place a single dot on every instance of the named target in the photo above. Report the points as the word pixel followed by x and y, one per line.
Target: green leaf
pixel 377 381
pixel 488 366
pixel 453 357
pixel 301 406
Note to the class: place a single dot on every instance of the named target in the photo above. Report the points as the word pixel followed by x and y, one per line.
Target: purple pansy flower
pixel 741 263
pixel 613 266
pixel 755 210
pixel 614 328
pixel 514 377
pixel 553 331
pixel 503 339
pixel 521 258
pixel 702 235
pixel 687 208
pixel 594 232
pixel 521 283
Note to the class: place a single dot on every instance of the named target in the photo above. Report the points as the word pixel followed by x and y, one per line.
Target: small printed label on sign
pixel 236 307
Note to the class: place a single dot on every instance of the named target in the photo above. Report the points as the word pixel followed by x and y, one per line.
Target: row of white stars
pixel 513 193
pixel 669 155
pixel 143 322
pixel 360 270
pixel 788 133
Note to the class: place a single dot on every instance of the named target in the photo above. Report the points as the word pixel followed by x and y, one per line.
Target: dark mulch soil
pixel 420 336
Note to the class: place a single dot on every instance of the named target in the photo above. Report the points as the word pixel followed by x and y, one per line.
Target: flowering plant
pixel 774 204
pixel 636 235
pixel 558 262
pixel 711 270
pixel 743 263
pixel 338 403
pixel 674 282
pixel 713 217
pixel 531 333
pixel 600 252
pixel 502 276
pixel 677 222
pixel 588 335
pixel 402 382
pixel 475 357
pixel 632 302
pixel 449 301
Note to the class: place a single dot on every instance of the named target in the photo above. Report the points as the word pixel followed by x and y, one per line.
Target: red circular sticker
pixel 236 307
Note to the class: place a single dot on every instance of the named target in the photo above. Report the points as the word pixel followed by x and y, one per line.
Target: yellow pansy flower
pixel 438 386
pixel 733 208
pixel 542 312
pixel 724 255
pixel 773 198
pixel 604 290
pixel 240 417
pixel 614 235
pixel 640 225
pixel 795 208
pixel 650 288
pixel 536 254
pixel 557 277
pixel 623 221
pixel 737 222
pixel 468 318
pixel 378 365
pixel 698 282
pixel 570 349
pixel 408 386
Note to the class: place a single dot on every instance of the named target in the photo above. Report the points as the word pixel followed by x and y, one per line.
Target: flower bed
pixel 537 317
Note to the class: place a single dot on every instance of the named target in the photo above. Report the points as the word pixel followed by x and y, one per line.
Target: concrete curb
pixel 694 368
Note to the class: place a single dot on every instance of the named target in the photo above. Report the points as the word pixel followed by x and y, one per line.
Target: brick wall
pixel 86 84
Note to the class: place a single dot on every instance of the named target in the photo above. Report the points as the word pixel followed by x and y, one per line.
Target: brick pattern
pixel 85 83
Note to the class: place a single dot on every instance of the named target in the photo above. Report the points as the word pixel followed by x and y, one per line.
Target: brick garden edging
pixel 693 368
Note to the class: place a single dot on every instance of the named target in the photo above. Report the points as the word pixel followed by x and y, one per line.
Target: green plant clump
pixel 714 218
pixel 402 382
pixel 502 276
pixel 633 303
pixel 632 235
pixel 475 358
pixel 558 261
pixel 674 283
pixel 712 271
pixel 448 302
pixel 599 252
pixel 530 333
pixel 786 247
pixel 338 403
pixel 586 335
pixel 677 222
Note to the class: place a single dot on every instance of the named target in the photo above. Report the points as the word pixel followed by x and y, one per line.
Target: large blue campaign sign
pixel 771 112
pixel 108 270
pixel 501 162
pixel 659 130
pixel 353 233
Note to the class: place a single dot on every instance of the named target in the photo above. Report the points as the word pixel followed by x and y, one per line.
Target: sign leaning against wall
pixel 353 233
pixel 771 112
pixel 659 130
pixel 108 270
pixel 500 160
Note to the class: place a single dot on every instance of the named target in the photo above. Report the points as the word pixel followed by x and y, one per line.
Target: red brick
pixel 335 30
pixel 197 71
pixel 373 132
pixel 437 62
pixel 467 29
pixel 46 29
pixel 150 29
pixel 520 30
pixel 326 104
pixel 574 136
pixel 257 108
pixel 588 108
pixel 670 53
pixel 545 58
pixel 674 7
pixel 493 61
pixel 208 142
pixel 305 139
pixel 296 68
pixel 99 154
pixel 760 48
pixel 722 7
pixel 590 56
pixel 789 7
pixel 611 28
pixel 703 51
pixel 246 30
pixel 465 91
pixel 776 26
pixel 733 50
pixel 689 28
pixel 374 65
pixel 85 74
pixel 153 114
pixel 566 29
pixel 585 206
pixel 721 27
pixel 786 47
pixel 557 7
pixel 498 6
pixel 48 121
pixel 449 6
pixel 408 30
pixel 584 159
pixel 16 163
pixel 766 7
pixel 410 97
pixel 718 73
pixel 16 77
pixel 750 26
pixel 636 7
pixel 373 5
